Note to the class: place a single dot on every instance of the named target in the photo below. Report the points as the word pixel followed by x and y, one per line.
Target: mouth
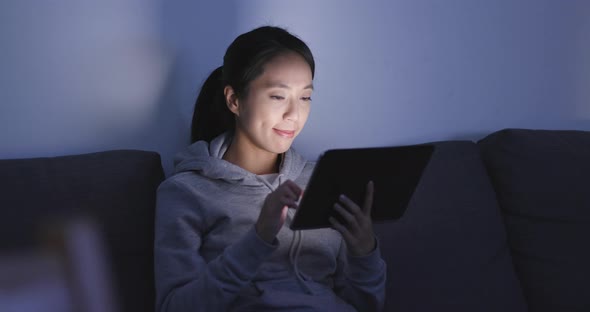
pixel 285 133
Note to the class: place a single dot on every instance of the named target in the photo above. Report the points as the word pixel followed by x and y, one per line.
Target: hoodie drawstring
pixel 296 244
pixel 295 247
pixel 293 255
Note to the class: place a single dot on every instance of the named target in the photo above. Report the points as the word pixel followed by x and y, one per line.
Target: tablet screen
pixel 395 172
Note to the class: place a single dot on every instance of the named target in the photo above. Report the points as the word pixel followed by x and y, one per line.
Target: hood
pixel 206 159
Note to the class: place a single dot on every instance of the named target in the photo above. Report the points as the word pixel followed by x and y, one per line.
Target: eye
pixel 306 98
pixel 277 97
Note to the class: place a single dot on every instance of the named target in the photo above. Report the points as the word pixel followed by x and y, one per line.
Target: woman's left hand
pixel 357 229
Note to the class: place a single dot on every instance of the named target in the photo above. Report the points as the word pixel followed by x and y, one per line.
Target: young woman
pixel 222 237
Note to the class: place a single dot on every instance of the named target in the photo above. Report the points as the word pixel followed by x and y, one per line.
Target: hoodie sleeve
pixel 184 281
pixel 360 281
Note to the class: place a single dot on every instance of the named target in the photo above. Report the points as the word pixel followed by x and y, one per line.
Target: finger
pixel 369 196
pixel 348 237
pixel 293 187
pixel 290 189
pixel 351 206
pixel 351 221
pixel 288 201
pixel 288 194
pixel 293 204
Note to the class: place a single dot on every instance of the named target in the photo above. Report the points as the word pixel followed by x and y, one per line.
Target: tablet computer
pixel 395 172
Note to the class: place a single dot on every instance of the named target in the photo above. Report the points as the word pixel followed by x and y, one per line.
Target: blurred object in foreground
pixel 33 281
pixel 68 271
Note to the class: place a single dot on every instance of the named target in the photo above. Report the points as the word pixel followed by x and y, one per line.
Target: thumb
pixel 283 215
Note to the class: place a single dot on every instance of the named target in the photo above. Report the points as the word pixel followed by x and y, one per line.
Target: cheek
pixel 259 115
pixel 248 120
pixel 305 109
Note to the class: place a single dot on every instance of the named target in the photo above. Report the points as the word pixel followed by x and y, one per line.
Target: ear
pixel 231 100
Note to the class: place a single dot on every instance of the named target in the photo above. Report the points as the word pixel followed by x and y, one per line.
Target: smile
pixel 285 133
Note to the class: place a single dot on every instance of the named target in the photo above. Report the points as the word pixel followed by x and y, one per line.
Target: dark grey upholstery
pixel 542 180
pixel 117 188
pixel 449 251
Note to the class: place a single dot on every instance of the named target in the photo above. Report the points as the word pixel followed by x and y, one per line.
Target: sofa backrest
pixel 449 251
pixel 115 188
pixel 542 180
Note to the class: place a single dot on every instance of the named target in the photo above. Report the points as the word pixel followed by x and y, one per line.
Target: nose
pixel 292 112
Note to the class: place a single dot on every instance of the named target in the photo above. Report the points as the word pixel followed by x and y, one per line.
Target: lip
pixel 285 133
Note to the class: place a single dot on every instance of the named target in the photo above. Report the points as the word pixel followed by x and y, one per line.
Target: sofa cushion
pixel 116 188
pixel 542 179
pixel 449 251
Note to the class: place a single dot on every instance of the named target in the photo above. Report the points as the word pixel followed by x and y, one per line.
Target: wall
pixel 410 71
pixel 86 76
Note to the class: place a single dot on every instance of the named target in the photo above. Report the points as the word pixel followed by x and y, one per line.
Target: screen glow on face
pixel 277 104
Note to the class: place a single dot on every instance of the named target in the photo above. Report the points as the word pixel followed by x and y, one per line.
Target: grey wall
pixel 81 77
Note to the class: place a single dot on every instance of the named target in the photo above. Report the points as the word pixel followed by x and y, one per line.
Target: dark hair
pixel 243 62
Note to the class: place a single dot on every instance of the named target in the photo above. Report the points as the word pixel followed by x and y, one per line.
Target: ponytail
pixel 211 116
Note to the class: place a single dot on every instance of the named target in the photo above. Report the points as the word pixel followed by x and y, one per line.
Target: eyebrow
pixel 284 86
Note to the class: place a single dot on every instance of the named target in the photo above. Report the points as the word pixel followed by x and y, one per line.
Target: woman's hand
pixel 274 211
pixel 357 229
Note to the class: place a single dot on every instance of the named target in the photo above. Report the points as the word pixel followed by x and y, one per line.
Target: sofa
pixel 117 189
pixel 501 224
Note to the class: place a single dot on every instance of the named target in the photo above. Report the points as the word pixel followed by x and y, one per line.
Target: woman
pixel 222 236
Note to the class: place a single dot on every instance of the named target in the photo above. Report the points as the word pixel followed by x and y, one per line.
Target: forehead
pixel 285 70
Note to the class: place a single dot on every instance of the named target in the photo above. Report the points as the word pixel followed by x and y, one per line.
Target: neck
pixel 243 153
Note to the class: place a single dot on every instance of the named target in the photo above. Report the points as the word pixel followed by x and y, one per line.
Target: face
pixel 277 104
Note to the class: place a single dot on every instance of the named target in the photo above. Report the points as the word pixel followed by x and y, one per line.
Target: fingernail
pixel 341 197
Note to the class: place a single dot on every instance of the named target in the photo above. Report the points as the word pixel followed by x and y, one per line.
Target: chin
pixel 281 148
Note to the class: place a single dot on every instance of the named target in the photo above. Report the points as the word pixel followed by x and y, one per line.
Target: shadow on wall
pixel 197 34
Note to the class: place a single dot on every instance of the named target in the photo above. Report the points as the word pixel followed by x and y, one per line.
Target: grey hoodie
pixel 208 256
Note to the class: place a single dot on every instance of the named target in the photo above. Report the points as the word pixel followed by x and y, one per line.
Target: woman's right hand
pixel 274 211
